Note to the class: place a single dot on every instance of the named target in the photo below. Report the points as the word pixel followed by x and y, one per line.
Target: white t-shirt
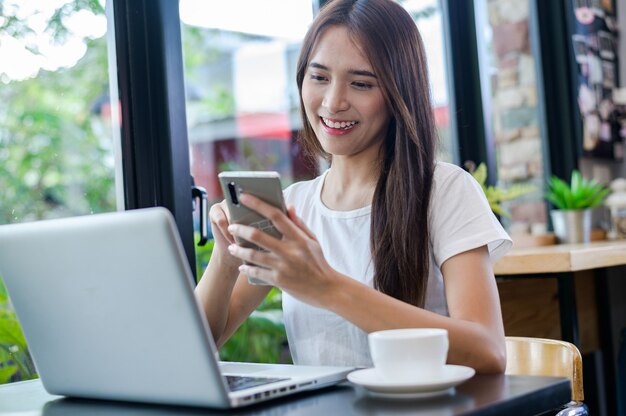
pixel 459 219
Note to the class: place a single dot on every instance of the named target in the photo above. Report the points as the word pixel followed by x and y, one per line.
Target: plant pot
pixel 572 226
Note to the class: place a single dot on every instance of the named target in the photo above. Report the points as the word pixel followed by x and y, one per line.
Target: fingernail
pixel 231 248
pixel 243 268
pixel 243 197
pixel 232 228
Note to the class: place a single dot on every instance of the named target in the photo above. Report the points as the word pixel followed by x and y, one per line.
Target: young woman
pixel 385 238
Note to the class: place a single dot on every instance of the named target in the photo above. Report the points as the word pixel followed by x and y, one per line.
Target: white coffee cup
pixel 410 354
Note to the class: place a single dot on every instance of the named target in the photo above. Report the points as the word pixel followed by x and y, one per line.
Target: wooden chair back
pixel 546 357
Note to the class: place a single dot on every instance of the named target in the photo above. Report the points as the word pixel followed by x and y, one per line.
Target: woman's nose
pixel 335 99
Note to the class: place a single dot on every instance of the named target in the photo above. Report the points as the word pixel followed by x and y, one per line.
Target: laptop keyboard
pixel 236 383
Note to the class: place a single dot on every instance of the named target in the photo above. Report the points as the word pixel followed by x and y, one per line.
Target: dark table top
pixel 481 395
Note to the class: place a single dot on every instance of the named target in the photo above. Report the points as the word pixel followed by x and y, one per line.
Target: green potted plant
pixel 573 202
pixel 496 195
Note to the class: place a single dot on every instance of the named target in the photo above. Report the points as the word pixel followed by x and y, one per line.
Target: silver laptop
pixel 107 306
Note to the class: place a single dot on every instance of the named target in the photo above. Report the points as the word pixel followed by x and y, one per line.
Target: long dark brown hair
pixel 399 227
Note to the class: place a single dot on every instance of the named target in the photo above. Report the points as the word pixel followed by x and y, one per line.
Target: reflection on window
pixel 56 156
pixel 509 67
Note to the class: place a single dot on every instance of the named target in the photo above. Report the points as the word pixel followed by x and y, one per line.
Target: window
pixel 242 100
pixel 508 72
pixel 428 18
pixel 56 147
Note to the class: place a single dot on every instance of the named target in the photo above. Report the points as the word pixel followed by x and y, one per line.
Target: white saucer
pixel 412 396
pixel 452 375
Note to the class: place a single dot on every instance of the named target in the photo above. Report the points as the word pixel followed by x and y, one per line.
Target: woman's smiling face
pixel 342 97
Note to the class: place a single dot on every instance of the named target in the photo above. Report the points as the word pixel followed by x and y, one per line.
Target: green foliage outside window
pixel 15 361
pixel 261 338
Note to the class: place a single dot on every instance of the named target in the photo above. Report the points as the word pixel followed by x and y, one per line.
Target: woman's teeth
pixel 338 124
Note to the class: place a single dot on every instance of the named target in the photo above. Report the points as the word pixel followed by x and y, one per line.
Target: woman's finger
pixel 275 215
pixel 218 216
pixel 259 273
pixel 254 256
pixel 255 236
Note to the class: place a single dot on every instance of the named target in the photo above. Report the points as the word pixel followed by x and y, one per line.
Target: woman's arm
pixel 474 327
pixel 296 264
pixel 224 294
pixel 227 302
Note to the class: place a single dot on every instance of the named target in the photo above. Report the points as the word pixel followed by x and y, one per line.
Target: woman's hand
pixel 295 263
pixel 220 220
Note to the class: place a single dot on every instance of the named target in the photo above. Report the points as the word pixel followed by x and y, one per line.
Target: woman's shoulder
pixel 453 183
pixel 447 174
pixel 460 217
pixel 445 170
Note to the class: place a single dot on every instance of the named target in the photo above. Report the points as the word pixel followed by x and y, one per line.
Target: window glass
pixel 56 153
pixel 507 62
pixel 242 100
pixel 428 18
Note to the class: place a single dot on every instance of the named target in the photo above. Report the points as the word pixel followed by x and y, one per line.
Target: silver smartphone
pixel 263 185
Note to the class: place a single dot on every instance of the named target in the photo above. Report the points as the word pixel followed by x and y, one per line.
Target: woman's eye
pixel 362 85
pixel 316 77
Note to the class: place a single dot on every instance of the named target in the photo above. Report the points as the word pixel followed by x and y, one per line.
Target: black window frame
pixel 467 107
pixel 151 91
